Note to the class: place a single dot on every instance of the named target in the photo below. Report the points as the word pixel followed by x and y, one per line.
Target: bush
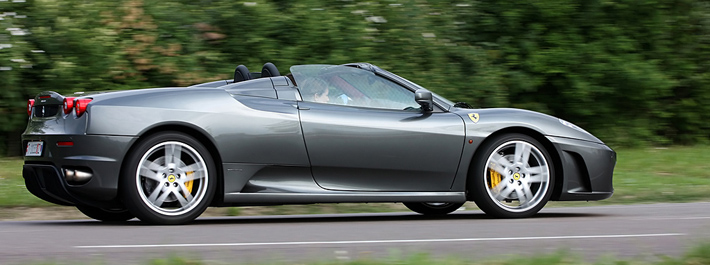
pixel 631 72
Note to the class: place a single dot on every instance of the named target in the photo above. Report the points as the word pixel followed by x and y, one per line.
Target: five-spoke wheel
pixel 512 176
pixel 168 179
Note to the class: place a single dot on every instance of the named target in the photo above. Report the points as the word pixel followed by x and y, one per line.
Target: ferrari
pixel 351 133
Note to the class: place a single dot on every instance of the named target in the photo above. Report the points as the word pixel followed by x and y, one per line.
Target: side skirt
pixel 254 199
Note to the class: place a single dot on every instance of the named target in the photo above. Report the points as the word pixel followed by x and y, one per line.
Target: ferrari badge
pixel 474 117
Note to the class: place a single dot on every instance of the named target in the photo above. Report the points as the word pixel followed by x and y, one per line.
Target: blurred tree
pixel 17 60
pixel 614 67
pixel 631 71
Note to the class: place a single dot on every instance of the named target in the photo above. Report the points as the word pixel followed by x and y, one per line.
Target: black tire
pixel 503 184
pixel 106 215
pixel 168 178
pixel 430 208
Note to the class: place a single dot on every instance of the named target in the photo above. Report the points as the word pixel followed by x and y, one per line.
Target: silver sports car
pixel 320 134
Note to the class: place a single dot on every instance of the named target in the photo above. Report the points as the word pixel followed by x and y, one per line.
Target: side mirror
pixel 424 98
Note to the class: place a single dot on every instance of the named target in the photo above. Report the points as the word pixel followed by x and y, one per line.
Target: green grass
pixel 675 174
pixel 699 255
pixel 642 175
pixel 12 186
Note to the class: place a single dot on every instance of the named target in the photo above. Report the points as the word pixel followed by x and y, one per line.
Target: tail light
pixel 68 104
pixel 65 144
pixel 30 104
pixel 80 106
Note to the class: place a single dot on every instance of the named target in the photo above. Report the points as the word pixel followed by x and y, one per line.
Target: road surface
pixel 625 231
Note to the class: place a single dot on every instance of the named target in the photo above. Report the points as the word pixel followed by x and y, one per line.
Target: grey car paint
pixel 244 130
pixel 274 148
pixel 364 149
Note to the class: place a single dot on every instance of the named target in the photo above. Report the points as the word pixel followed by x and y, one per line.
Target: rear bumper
pixel 46 183
pixel 587 170
pixel 101 155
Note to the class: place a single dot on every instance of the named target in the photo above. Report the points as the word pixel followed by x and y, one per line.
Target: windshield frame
pixel 442 102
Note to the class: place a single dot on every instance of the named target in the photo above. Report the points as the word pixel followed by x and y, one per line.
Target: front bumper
pixel 101 155
pixel 587 170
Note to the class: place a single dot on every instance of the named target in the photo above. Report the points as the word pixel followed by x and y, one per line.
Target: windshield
pixel 412 84
pixel 345 85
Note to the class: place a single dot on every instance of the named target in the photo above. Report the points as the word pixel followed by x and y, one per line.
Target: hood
pixel 487 121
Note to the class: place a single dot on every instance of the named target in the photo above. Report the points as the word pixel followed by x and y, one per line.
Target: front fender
pixel 482 123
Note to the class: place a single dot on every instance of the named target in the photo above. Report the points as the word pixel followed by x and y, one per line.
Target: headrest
pixel 269 70
pixel 241 73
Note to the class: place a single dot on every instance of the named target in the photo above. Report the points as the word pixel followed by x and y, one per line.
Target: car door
pixel 369 135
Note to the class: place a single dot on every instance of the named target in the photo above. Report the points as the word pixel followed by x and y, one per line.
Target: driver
pixel 315 90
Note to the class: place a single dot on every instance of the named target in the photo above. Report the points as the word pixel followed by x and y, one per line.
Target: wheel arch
pixel 201 136
pixel 556 160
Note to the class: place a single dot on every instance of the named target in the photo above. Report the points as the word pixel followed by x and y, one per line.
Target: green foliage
pixel 17 58
pixel 631 72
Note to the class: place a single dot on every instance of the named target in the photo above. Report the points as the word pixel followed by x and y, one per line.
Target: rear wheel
pixel 106 215
pixel 512 176
pixel 169 178
pixel 433 208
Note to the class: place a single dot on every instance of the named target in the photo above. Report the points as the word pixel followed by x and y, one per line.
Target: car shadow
pixel 370 218
pixel 326 218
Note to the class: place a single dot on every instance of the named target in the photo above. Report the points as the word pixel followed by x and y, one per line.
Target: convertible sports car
pixel 321 134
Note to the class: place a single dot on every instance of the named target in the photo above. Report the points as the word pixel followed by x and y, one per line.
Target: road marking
pixel 674 218
pixel 378 241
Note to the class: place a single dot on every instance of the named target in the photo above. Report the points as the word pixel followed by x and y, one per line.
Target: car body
pixel 321 134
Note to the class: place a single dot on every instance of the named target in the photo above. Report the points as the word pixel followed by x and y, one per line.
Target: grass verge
pixel 12 186
pixel 678 174
pixel 699 255
pixel 654 175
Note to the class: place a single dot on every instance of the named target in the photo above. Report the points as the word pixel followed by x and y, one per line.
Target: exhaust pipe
pixel 77 176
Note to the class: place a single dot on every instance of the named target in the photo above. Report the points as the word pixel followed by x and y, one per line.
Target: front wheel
pixel 169 178
pixel 433 208
pixel 512 176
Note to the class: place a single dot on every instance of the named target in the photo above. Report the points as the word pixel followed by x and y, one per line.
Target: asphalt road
pixel 626 231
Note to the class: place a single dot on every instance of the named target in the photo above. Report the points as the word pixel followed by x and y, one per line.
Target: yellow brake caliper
pixel 188 184
pixel 495 178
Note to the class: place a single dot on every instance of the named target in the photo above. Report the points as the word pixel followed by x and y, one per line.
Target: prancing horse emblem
pixel 474 117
